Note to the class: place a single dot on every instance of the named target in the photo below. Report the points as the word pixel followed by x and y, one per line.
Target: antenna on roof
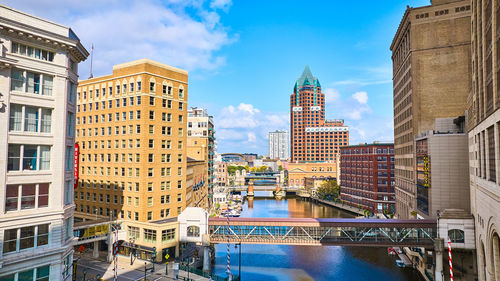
pixel 91 59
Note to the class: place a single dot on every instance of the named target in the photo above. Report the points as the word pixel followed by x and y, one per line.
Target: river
pixel 301 263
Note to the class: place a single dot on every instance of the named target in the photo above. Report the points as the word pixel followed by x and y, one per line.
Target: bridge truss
pixel 298 231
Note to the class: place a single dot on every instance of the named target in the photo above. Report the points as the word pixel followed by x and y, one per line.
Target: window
pixel 151 143
pixel 133 232
pixel 179 197
pixel 193 231
pixel 25 237
pixel 167 234
pixel 151 100
pixel 149 235
pixel 33 52
pixel 31 121
pixel 181 93
pixel 69 158
pixel 33 157
pixel 31 196
pixel 151 86
pixel 71 92
pixel 456 235
pixel 68 228
pixel 68 192
pixel 150 201
pixel 117 89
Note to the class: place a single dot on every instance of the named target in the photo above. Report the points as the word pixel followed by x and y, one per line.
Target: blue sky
pixel 243 56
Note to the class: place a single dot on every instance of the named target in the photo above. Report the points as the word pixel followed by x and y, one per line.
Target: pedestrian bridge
pixel 262 188
pixel 308 231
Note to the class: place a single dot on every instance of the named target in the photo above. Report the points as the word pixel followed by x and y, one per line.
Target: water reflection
pixel 282 262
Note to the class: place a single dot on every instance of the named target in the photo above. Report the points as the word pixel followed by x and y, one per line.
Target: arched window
pixel 456 235
pixel 193 231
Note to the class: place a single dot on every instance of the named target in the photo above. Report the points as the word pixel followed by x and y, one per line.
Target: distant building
pixel 197 184
pixel 38 80
pixel 279 145
pixel 298 172
pixel 367 176
pixel 250 157
pixel 221 173
pixel 431 55
pixel 201 140
pixel 312 138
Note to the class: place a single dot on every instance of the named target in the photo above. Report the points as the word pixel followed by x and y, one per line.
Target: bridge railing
pixel 303 233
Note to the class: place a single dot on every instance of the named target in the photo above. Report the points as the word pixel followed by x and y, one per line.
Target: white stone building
pixel 38 78
pixel 279 145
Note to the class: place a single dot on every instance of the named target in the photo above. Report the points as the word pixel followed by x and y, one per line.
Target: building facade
pixel 483 122
pixel 38 79
pixel 279 145
pixel 201 141
pixel 298 172
pixel 197 184
pixel 131 130
pixel 367 172
pixel 312 137
pixel 431 79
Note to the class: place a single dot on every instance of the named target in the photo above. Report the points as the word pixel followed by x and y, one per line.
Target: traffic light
pixel 154 254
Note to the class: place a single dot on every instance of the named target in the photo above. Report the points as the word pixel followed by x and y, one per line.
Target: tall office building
pixel 131 130
pixel 201 141
pixel 38 79
pixel 431 78
pixel 279 145
pixel 484 136
pixel 313 138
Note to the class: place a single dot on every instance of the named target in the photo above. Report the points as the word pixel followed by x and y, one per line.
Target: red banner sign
pixel 76 164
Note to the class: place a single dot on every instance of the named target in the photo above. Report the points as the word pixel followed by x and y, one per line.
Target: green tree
pixel 328 190
pixel 280 168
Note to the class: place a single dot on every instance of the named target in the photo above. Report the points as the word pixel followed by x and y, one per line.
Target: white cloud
pixel 361 97
pixel 331 95
pixel 244 127
pixel 220 4
pixel 251 137
pixel 248 108
pixel 357 113
pixel 126 30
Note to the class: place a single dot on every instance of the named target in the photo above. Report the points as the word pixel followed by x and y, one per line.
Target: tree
pixel 328 190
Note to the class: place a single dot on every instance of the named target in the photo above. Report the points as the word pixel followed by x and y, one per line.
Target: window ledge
pixel 32 95
pixel 34 134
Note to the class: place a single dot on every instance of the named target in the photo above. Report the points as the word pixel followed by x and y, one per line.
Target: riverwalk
pixel 336 205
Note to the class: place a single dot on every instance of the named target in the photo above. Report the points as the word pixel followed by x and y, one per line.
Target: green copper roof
pixel 307 78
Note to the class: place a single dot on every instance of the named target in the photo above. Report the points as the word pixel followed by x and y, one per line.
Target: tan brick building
pixel 131 129
pixel 432 78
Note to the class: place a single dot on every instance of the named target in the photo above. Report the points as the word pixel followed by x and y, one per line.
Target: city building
pixel 442 168
pixel 250 157
pixel 131 130
pixel 313 138
pixel 197 184
pixel 367 176
pixel 38 79
pixel 201 140
pixel 483 123
pixel 298 172
pixel 279 145
pixel 431 79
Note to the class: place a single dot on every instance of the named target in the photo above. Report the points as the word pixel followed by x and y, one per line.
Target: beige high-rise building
pixel 432 78
pixel 131 129
pixel 484 136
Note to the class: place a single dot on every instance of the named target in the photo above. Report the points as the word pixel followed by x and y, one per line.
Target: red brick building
pixel 367 176
pixel 312 137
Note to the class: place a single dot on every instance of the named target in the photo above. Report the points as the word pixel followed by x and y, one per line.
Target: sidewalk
pixel 127 272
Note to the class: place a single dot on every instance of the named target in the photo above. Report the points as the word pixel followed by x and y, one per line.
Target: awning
pixel 140 247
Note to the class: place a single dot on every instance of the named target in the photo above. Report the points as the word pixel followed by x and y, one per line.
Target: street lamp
pixel 131 241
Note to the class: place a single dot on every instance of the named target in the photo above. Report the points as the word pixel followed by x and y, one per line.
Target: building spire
pixel 307 78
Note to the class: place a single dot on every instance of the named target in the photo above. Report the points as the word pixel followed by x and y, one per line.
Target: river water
pixel 304 263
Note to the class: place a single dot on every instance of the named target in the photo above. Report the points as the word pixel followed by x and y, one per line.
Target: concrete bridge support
pixel 439 249
pixel 250 189
pixel 206 259
pixel 95 252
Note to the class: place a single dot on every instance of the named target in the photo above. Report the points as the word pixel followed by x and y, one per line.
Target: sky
pixel 243 57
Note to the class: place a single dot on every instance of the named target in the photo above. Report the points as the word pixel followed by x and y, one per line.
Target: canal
pixel 304 263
